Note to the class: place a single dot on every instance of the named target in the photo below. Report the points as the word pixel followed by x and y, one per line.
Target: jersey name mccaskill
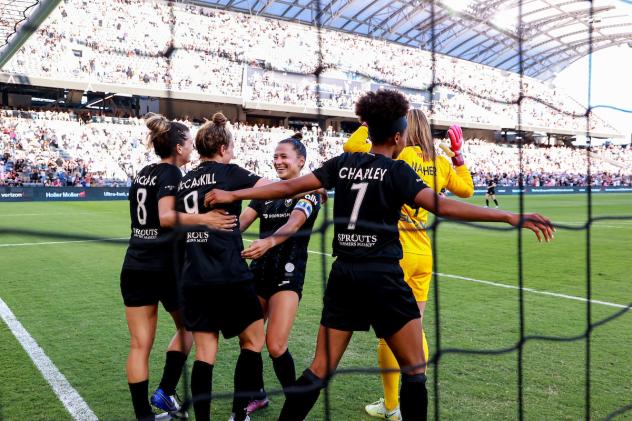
pixel 203 180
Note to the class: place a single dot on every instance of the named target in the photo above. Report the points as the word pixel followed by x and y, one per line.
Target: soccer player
pixel 438 174
pixel 217 288
pixel 148 274
pixel 280 257
pixel 366 285
pixel 491 191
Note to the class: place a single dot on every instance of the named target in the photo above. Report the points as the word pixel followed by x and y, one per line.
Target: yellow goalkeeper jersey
pixel 412 223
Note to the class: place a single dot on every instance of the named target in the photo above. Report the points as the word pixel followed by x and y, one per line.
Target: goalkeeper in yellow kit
pixel 437 172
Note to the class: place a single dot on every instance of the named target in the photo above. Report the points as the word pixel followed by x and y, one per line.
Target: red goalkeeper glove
pixel 456 142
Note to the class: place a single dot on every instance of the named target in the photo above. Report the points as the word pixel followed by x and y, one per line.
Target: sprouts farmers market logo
pixel 65 195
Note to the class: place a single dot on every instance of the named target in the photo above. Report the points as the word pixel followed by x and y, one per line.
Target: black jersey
pixel 211 256
pixel 148 249
pixel 370 191
pixel 491 186
pixel 291 255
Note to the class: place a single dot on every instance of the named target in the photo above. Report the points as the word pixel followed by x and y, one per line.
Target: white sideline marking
pixel 535 291
pixel 52 214
pixel 74 403
pixel 45 243
pixel 500 285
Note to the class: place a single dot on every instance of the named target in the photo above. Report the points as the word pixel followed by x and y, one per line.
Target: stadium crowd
pixel 56 148
pixel 214 48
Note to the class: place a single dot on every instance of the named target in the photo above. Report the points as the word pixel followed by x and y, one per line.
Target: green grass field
pixel 66 295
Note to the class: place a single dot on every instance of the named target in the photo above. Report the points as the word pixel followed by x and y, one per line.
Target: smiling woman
pixel 280 258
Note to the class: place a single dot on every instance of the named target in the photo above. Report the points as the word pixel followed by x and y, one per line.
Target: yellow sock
pixel 426 350
pixel 390 381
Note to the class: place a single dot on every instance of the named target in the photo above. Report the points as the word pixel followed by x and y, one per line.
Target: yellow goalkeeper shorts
pixel 417 273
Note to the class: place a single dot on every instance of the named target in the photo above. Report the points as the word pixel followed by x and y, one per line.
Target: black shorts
pixel 144 287
pixel 269 280
pixel 491 193
pixel 228 308
pixel 363 294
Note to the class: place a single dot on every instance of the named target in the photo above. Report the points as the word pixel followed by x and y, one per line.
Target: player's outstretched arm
pixel 259 247
pixel 278 190
pixel 247 217
pixel 448 208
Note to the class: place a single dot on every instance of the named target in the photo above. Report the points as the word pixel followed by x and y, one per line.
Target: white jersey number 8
pixel 141 210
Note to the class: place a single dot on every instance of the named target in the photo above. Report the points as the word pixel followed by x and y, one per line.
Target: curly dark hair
pixel 380 109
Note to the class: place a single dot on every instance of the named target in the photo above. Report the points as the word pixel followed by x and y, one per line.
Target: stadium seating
pixel 57 148
pixel 218 51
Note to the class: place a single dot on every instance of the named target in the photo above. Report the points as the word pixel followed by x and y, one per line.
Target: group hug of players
pixel 385 184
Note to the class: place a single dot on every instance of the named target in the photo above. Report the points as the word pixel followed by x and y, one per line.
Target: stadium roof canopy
pixel 555 32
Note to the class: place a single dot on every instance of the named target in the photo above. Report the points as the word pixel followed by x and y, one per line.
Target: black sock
pixel 496 202
pixel 284 369
pixel 298 403
pixel 142 409
pixel 172 371
pixel 201 388
pixel 248 381
pixel 486 202
pixel 413 397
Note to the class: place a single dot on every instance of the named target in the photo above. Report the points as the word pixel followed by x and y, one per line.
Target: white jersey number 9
pixel 191 202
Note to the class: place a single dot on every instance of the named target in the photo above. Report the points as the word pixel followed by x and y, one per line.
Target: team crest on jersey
pixel 288 203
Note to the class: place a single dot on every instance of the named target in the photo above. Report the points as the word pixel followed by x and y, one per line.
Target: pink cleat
pixel 257 405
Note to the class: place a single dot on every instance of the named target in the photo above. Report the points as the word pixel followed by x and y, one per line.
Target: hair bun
pixel 297 136
pixel 219 119
pixel 157 123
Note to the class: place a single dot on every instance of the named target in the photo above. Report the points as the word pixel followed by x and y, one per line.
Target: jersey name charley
pixel 362 174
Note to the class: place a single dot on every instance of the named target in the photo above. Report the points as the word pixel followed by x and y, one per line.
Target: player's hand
pixel 456 143
pixel 219 219
pixel 216 197
pixel 537 223
pixel 322 192
pixel 257 249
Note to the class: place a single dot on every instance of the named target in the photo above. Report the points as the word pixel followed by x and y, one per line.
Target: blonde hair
pixel 212 135
pixel 419 134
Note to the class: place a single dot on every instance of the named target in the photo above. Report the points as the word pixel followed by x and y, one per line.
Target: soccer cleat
pixel 167 403
pixel 377 409
pixel 163 416
pixel 257 404
pixel 496 207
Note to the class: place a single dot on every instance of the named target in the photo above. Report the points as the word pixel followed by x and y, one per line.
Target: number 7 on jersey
pixel 361 188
